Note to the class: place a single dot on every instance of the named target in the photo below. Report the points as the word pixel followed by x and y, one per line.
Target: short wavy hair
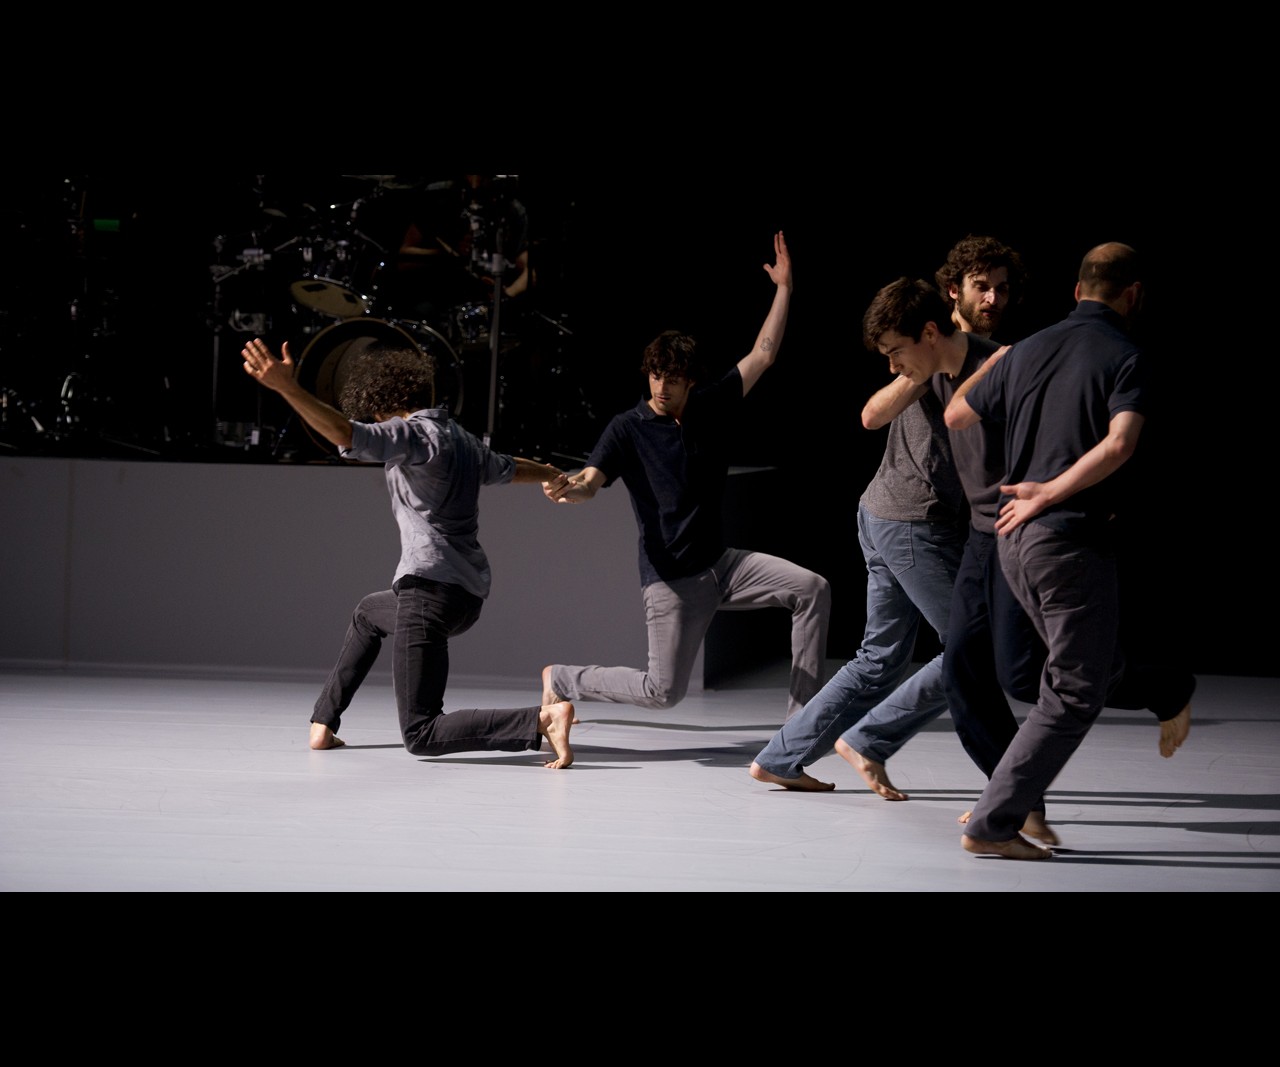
pixel 906 307
pixel 384 379
pixel 672 354
pixel 978 255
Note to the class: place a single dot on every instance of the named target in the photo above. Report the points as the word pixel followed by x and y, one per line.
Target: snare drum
pixel 336 277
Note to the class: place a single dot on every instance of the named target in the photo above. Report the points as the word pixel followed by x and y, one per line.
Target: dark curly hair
pixel 385 378
pixel 978 255
pixel 672 354
pixel 905 307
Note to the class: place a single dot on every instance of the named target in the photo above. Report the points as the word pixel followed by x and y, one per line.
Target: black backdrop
pixel 126 299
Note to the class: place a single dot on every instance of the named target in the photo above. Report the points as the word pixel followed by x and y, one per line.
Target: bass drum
pixel 328 359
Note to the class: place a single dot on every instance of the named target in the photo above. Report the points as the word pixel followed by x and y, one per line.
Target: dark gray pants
pixel 420 616
pixel 1070 592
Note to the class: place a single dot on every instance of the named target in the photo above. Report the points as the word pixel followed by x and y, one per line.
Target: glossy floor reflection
pixel 127 783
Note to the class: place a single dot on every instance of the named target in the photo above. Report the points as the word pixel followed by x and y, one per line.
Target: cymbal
pixel 387 181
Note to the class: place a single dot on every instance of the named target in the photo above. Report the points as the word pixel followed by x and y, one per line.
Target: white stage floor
pixel 139 784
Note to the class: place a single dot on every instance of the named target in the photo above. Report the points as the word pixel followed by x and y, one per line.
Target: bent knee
pixel 818 592
pixel 1024 692
pixel 659 698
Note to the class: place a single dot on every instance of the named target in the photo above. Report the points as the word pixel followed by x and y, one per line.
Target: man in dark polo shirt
pixel 1072 399
pixel 669 451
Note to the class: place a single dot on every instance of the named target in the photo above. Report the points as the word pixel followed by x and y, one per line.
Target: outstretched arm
pixel 528 470
pixel 1101 461
pixel 761 357
pixel 280 376
pixel 574 488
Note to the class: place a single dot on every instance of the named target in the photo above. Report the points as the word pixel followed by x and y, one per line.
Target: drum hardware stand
pixel 250 259
pixel 560 371
pixel 495 342
pixel 494 266
pixel 355 213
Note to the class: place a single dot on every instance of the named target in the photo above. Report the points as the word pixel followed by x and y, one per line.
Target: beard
pixel 972 313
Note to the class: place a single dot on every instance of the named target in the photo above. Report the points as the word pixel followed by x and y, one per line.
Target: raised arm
pixel 888 403
pixel 280 376
pixel 761 357
pixel 1101 461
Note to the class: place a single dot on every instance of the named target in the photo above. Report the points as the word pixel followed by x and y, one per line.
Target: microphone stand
pixel 495 336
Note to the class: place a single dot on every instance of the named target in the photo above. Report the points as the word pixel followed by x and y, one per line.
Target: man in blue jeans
pixel 912 525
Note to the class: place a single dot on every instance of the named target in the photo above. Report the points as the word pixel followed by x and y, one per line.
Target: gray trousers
pixel 678 615
pixel 1070 592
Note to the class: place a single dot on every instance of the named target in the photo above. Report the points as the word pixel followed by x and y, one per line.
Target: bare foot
pixel 323 737
pixel 1037 827
pixel 805 783
pixel 1015 849
pixel 873 773
pixel 1174 731
pixel 554 721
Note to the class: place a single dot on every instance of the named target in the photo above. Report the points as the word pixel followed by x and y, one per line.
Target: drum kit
pixel 339 286
pixel 61 316
pixel 330 281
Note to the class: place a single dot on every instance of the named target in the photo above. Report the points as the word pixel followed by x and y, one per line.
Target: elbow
pixel 1123 451
pixel 959 416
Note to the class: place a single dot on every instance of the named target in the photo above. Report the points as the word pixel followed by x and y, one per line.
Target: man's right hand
pixel 568 489
pixel 260 363
pixel 553 488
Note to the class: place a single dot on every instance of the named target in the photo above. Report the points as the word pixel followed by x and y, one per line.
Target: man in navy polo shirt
pixel 669 451
pixel 1073 400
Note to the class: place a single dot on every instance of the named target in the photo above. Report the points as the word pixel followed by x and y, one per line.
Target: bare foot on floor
pixel 323 737
pixel 1016 849
pixel 1174 731
pixel 873 773
pixel 1036 826
pixel 554 721
pixel 805 783
pixel 549 695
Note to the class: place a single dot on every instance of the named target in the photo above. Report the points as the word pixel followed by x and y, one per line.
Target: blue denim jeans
pixel 874 701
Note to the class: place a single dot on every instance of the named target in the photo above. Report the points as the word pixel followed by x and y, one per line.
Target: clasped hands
pixel 565 488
